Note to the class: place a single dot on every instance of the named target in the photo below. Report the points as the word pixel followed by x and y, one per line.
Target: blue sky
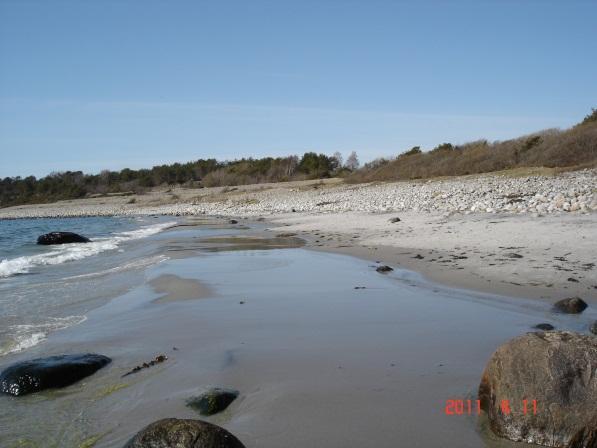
pixel 95 85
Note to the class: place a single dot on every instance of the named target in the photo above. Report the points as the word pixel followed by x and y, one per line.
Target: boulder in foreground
pixel 213 401
pixel 61 238
pixel 183 433
pixel 47 373
pixel 557 369
pixel 571 305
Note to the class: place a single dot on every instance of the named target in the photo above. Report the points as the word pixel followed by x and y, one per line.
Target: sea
pixel 49 288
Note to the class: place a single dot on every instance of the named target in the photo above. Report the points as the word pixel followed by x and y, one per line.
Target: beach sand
pixel 514 255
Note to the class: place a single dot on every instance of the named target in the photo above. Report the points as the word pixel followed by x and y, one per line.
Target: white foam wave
pixel 71 252
pixel 22 337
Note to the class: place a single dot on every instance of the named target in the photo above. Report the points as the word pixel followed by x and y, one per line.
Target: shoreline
pixel 500 266
pixel 527 236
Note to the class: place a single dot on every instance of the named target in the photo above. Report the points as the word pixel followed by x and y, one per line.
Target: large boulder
pixel 213 400
pixel 557 370
pixel 46 373
pixel 61 238
pixel 571 305
pixel 179 433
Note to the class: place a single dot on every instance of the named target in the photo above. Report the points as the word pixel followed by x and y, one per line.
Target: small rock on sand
pixel 213 401
pixel 384 269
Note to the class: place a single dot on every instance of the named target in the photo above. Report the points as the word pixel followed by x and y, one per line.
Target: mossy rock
pixel 213 401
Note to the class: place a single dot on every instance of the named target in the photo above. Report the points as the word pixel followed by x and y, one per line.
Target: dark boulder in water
pixel 61 238
pixel 183 433
pixel 544 327
pixel 571 305
pixel 47 373
pixel 384 269
pixel 213 401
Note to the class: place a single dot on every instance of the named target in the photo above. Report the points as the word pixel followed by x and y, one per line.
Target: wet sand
pixel 317 361
pixel 172 287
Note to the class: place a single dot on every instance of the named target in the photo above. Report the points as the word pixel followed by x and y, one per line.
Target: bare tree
pixel 338 156
pixel 352 162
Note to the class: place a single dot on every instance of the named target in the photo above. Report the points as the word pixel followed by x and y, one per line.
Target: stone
pixel 61 238
pixel 593 327
pixel 384 269
pixel 183 433
pixel 544 327
pixel 48 373
pixel 571 305
pixel 556 369
pixel 394 220
pixel 213 401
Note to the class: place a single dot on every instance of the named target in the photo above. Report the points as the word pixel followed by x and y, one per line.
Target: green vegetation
pixel 200 173
pixel 571 148
pixel 591 118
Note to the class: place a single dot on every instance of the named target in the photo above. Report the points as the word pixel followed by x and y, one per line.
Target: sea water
pixel 48 288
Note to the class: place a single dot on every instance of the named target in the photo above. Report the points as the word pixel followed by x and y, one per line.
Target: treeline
pixel 200 173
pixel 574 147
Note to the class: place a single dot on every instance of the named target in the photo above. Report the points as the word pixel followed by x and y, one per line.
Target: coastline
pixel 510 234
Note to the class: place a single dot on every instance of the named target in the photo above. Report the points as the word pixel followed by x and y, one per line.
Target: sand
pixel 172 287
pixel 514 255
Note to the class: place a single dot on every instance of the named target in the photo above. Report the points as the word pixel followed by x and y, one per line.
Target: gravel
pixel 572 192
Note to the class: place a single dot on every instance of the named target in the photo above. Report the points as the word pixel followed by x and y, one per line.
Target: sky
pixel 93 85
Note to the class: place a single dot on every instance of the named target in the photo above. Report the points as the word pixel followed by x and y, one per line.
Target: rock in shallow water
pixel 179 433
pixel 46 373
pixel 557 370
pixel 213 401
pixel 383 269
pixel 61 238
pixel 544 327
pixel 571 305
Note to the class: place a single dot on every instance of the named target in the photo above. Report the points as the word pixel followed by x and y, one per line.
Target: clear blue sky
pixel 106 84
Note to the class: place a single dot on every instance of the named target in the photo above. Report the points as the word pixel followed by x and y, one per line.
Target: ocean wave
pixel 24 336
pixel 71 252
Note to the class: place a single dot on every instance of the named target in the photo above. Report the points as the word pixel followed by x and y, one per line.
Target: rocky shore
pixel 572 192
